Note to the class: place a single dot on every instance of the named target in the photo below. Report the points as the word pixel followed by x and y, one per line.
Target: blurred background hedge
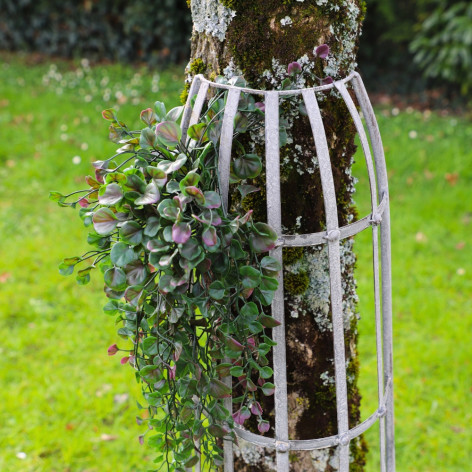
pixel 410 44
pixel 120 30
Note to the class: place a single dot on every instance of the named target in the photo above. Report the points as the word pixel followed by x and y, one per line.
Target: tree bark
pixel 258 39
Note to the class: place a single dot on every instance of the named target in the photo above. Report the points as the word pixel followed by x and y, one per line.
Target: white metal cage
pixel 379 222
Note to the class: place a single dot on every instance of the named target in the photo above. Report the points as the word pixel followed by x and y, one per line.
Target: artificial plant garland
pixel 190 282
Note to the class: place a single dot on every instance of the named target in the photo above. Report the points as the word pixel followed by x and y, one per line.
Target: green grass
pixel 70 407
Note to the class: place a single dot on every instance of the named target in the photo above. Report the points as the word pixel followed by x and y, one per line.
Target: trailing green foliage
pixel 108 29
pixel 188 280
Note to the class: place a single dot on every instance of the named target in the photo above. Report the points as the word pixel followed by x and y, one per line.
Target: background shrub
pixel 123 30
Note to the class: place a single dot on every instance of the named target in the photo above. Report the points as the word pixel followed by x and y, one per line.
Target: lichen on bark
pixel 259 38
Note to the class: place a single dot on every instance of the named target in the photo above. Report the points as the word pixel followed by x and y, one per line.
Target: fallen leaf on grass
pixel 4 277
pixel 460 245
pixel 421 237
pixel 108 437
pixel 452 178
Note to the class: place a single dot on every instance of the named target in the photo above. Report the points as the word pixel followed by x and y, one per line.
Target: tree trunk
pixel 258 39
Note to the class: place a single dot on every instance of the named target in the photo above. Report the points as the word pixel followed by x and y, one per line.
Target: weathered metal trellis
pixel 378 219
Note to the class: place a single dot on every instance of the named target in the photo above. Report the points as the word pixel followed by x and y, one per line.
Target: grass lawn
pixel 67 406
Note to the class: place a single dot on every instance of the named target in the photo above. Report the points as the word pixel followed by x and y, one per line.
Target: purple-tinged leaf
pixel 92 182
pixel 172 166
pixel 241 416
pixel 165 286
pixel 263 238
pixel 148 138
pixel 113 349
pixel 212 199
pixel 327 80
pixel 322 51
pixel 250 385
pixel 263 426
pixel 219 390
pixel 135 295
pixel 168 134
pixel 136 273
pixel 166 260
pixel 131 233
pixel 177 351
pixel 148 116
pixel 157 246
pixel 158 175
pixel 269 321
pixel 124 360
pixel 233 345
pixel 151 195
pixel 111 194
pixel 115 278
pixel 256 409
pixel 294 68
pixel 251 277
pixel 260 106
pixel 196 193
pixel 109 114
pixel 141 439
pixel 209 236
pixel 169 209
pixel 181 232
pixel 174 114
pixel 104 221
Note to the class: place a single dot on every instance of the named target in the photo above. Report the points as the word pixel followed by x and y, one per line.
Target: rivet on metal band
pixel 376 219
pixel 282 446
pixel 344 439
pixel 333 235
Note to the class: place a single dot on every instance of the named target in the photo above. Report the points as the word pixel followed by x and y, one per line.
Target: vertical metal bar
pixel 385 247
pixel 226 141
pixel 228 444
pixel 375 261
pixel 199 102
pixel 188 106
pixel 333 234
pixel 274 218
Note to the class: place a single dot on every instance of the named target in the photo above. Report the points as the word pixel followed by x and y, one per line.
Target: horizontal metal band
pixel 313 239
pixel 279 92
pixel 321 443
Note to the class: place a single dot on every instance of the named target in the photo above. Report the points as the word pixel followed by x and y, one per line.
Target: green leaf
pixel 250 311
pixel 197 131
pixel 217 290
pixel 160 110
pixel 268 389
pixel 174 114
pixel 172 166
pixel 248 166
pixel 104 221
pixel 121 254
pixel 152 226
pixel 112 307
pixel 268 287
pixel 131 233
pixel 251 277
pixel 65 269
pixel 111 194
pixel 270 266
pixel 255 327
pixel 236 371
pixel 236 251
pixel 158 175
pixel 247 189
pixel 83 276
pixel 115 278
pixel 149 346
pixel 56 197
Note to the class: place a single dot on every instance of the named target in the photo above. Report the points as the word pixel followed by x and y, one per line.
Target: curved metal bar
pixel 313 239
pixel 274 218
pixel 333 234
pixel 319 443
pixel 199 102
pixel 184 124
pixel 226 142
pixel 385 250
pixel 283 93
pixel 363 137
